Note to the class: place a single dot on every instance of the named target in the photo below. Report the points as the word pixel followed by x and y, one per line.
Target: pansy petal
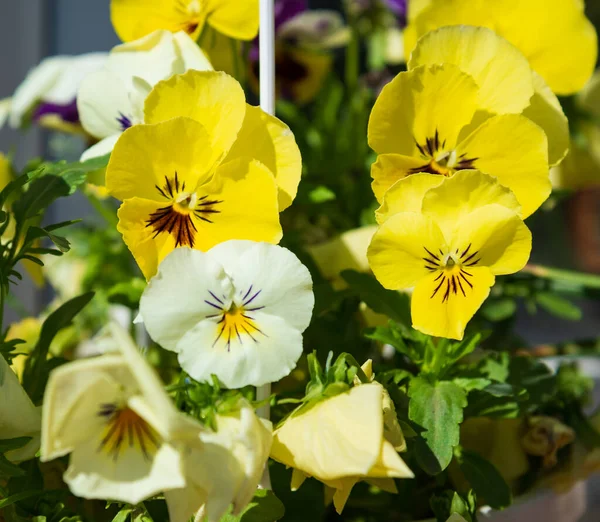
pixel 214 99
pixel 545 110
pixel 462 194
pixel 133 19
pixel 247 207
pixel 442 305
pixel 406 195
pixel 420 105
pixel 500 70
pixel 270 141
pixel 233 18
pixel 253 349
pixel 73 397
pixel 103 104
pixel 102 148
pixel 269 278
pixel 139 237
pixel 515 150
pixel 390 168
pixel 499 237
pixel 132 478
pixel 317 441
pixel 185 502
pixel 148 160
pixel 390 464
pixel 179 296
pixel 400 248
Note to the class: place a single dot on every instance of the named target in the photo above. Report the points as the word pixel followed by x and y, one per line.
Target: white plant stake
pixel 267 104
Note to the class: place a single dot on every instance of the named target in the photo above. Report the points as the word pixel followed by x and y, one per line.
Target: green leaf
pixel 8 469
pixel 469 384
pixel 73 174
pixel 5 502
pixel 437 407
pixel 558 306
pixel 13 444
pixel 535 377
pixel 40 194
pixel 264 507
pixel 393 304
pixel 485 479
pixel 34 233
pixel 36 370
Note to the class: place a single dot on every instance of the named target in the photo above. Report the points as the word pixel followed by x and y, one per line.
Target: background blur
pixel 33 29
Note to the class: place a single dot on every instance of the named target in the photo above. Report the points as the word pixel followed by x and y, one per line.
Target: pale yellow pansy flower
pixel 506 84
pixel 226 470
pixel 18 416
pixel 340 441
pixel 133 19
pixel 555 35
pixel 123 434
pixel 424 121
pixel 449 243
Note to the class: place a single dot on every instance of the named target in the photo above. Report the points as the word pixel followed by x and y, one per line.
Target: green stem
pixel 568 276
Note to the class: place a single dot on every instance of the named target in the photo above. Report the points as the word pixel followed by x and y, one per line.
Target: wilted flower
pixel 341 441
pixel 49 92
pixel 225 469
pixel 111 100
pixel 18 416
pixel 448 242
pixel 544 436
pixel 237 311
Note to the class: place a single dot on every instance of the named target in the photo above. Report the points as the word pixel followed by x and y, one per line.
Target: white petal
pixel 252 358
pixel 101 101
pixel 177 298
pixel 191 56
pixel 64 90
pixel 37 83
pixel 101 148
pixel 18 416
pixel 130 478
pixel 284 283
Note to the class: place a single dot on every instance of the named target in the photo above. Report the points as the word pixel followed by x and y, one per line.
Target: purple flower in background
pixel 66 112
pixel 398 7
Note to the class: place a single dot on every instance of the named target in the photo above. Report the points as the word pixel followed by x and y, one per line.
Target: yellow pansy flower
pixel 555 35
pixel 426 120
pixel 187 176
pixel 449 243
pixel 341 441
pixel 133 19
pixel 504 77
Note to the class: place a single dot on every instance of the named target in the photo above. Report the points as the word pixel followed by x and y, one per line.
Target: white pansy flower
pixel 4 110
pixel 51 88
pixel 237 311
pixel 226 471
pixel 113 416
pixel 112 100
pixel 18 416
